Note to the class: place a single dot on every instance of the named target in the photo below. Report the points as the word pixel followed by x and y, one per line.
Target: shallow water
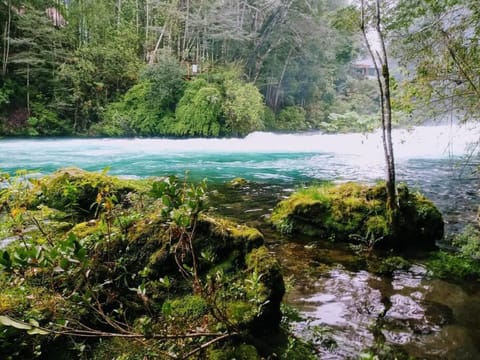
pixel 424 317
pixel 411 312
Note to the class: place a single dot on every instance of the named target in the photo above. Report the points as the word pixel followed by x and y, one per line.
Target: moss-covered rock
pixel 352 212
pixel 76 191
pixel 150 262
pixel 240 352
pixel 237 183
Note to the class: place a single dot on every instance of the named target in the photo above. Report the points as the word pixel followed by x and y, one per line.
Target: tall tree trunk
pixel 119 13
pixel 184 52
pixel 147 24
pixel 137 17
pixel 28 89
pixel 380 61
pixel 282 75
pixel 6 40
pixel 157 45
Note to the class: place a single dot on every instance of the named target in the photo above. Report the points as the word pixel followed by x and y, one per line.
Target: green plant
pixel 453 266
pixel 468 241
pixel 292 118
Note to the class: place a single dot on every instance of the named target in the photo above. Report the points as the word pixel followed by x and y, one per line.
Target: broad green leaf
pixel 7 321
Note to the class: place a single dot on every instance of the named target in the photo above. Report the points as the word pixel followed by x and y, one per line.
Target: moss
pixel 452 266
pixel 240 352
pixel 75 190
pixel 123 349
pixel 236 233
pixel 86 228
pixel 260 261
pixel 241 312
pixel 358 211
pixel 187 308
pixel 237 182
pixel 388 265
pixel 223 238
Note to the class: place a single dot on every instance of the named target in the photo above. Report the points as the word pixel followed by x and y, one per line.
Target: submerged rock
pixel 237 182
pixel 353 212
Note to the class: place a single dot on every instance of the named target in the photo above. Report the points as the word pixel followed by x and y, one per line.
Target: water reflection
pixel 427 318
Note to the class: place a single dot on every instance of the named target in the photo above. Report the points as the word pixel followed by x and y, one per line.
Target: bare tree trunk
pixel 185 33
pixel 147 24
pixel 119 12
pixel 6 40
pixel 137 17
pixel 380 61
pixel 28 89
pixel 157 46
pixel 282 75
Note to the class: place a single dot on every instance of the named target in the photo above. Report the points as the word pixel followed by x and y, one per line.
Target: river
pixel 426 317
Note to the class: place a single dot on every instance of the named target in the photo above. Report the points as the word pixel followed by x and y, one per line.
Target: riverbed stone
pixel 237 183
pixel 357 213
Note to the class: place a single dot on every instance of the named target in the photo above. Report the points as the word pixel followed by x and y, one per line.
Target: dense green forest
pixel 223 68
pixel 179 68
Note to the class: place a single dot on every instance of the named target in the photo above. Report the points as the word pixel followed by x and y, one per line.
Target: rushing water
pixel 425 317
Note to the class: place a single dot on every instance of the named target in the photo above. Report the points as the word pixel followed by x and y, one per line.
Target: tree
pixel 199 111
pixel 98 73
pixel 243 108
pixel 380 60
pixel 437 43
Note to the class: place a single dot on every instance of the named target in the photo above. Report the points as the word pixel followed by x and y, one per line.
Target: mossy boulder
pixel 352 212
pixel 154 260
pixel 76 191
pixel 227 252
pixel 237 183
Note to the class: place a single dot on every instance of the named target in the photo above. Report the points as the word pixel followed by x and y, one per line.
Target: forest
pixel 222 68
pixel 178 68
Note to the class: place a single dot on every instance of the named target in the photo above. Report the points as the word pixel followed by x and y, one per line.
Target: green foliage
pixel 147 108
pixel 439 58
pixel 268 119
pixel 468 242
pixel 350 122
pixel 133 115
pixel 199 112
pixel 99 73
pixel 131 268
pixel 44 121
pixel 166 83
pixel 292 118
pixel 464 264
pixel 243 108
pixel 79 65
pixel 452 266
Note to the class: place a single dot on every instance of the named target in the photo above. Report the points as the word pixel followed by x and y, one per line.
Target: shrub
pixel 243 108
pixel 292 118
pixel 199 111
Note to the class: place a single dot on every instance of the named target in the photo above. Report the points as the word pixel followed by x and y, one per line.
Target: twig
pixel 207 344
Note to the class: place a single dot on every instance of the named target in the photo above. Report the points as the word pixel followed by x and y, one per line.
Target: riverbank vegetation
pixel 103 267
pixel 188 68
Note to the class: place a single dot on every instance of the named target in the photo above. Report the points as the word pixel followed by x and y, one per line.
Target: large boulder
pixel 353 212
pixel 77 191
